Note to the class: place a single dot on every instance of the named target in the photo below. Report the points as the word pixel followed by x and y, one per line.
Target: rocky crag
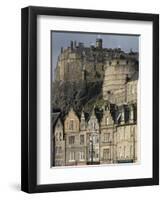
pixel 79 77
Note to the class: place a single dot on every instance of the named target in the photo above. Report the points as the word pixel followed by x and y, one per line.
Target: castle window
pixel 118 62
pixel 127 62
pixel 71 139
pixel 81 139
pixel 110 63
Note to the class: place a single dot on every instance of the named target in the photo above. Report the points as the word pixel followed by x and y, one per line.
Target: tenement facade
pixel 111 140
pixel 80 141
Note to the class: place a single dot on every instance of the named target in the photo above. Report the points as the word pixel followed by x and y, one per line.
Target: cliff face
pixel 79 95
pixel 80 73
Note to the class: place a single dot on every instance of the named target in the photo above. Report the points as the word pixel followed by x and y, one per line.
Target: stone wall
pixel 116 75
pixel 86 77
pixel 126 143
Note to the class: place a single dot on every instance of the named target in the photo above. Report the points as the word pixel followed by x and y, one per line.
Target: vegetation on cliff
pixel 81 95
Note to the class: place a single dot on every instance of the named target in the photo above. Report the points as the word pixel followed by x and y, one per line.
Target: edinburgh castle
pixel 94 105
pixel 80 63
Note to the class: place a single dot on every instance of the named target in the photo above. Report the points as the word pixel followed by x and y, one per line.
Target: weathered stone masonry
pixel 85 138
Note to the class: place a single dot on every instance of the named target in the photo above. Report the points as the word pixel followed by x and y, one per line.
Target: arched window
pixel 107 120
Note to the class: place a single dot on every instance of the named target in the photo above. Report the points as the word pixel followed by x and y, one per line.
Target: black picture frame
pixel 29 99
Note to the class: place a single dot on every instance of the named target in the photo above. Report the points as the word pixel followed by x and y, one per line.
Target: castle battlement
pixel 78 62
pixel 121 62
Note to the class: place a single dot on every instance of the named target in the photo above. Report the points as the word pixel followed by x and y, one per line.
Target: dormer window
pixel 71 125
pixel 107 120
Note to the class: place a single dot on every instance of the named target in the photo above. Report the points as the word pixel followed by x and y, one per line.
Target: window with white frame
pixel 72 156
pixel 81 155
pixel 106 154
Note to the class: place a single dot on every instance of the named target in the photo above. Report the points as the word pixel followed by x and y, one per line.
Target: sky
pixel 62 39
